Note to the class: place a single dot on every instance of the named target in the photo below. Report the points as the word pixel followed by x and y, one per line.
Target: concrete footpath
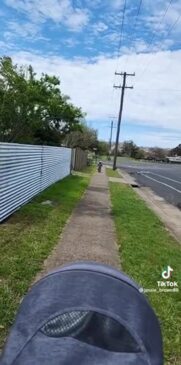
pixel 90 232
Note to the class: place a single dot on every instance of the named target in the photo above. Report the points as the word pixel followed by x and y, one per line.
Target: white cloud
pixel 113 37
pixel 70 42
pixel 89 81
pixel 90 86
pixel 116 4
pixel 76 20
pixel 6 46
pixel 93 4
pixel 173 13
pixel 59 11
pixel 141 46
pixel 99 27
pixel 26 30
pixel 161 22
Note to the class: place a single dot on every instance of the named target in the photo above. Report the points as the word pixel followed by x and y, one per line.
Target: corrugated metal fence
pixel 26 170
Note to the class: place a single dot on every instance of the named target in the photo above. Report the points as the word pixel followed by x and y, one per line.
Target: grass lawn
pixel 146 248
pixel 28 237
pixel 122 159
pixel 102 158
pixel 89 169
pixel 112 173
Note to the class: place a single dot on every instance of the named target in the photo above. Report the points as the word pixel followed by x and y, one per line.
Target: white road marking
pixel 168 186
pixel 164 177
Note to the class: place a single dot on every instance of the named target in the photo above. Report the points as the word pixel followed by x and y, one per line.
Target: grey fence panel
pixel 56 165
pixel 26 170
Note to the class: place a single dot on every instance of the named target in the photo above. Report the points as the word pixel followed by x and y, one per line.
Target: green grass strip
pixel 112 173
pixel 146 248
pixel 28 237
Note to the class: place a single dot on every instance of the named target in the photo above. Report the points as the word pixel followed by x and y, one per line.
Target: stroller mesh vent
pixel 92 328
pixel 65 324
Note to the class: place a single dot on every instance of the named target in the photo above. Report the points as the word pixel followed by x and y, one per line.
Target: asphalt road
pixel 163 179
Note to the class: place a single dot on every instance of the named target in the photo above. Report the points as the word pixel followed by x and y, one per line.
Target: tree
pixel 176 151
pixel 85 138
pixel 157 153
pixel 129 149
pixel 34 110
pixel 140 154
pixel 103 148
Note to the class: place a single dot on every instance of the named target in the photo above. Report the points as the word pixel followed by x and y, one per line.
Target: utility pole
pixel 110 141
pixel 120 111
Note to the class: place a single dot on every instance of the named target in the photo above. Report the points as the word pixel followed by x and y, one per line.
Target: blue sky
pixel 78 40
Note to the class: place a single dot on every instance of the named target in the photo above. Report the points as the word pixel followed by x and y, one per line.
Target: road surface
pixel 163 179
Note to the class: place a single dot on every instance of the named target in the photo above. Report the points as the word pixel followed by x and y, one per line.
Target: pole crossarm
pixel 120 87
pixel 122 74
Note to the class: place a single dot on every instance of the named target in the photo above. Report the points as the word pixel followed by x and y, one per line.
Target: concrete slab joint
pixel 90 232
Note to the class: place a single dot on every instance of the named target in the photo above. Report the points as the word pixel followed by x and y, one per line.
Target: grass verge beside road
pixel 112 173
pixel 28 237
pixel 146 248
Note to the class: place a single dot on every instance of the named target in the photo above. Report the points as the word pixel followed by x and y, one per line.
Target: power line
pixel 112 116
pixel 161 21
pixel 122 27
pixel 138 13
pixel 134 26
pixel 168 33
pixel 162 90
pixel 174 25
pixel 107 126
pixel 154 36
pixel 119 44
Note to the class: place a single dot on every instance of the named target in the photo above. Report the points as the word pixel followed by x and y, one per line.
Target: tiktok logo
pixel 166 274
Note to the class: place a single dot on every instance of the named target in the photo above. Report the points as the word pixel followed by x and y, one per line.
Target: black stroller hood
pixel 84 313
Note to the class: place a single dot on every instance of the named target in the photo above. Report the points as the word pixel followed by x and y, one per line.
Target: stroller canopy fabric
pixel 84 313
